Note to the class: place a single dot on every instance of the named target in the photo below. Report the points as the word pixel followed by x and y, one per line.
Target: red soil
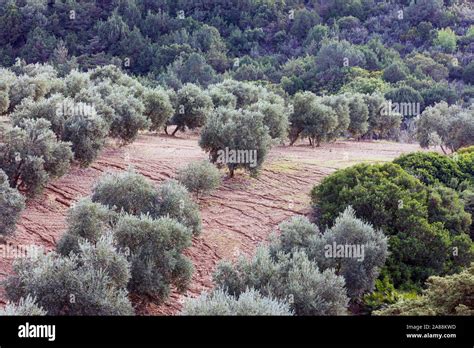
pixel 241 214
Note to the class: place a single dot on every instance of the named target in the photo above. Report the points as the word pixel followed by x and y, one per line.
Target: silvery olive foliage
pixel 176 202
pixel 450 127
pixel 11 205
pixel 86 220
pixel 25 307
pixel 244 75
pixel 31 154
pixel 359 272
pixel 155 247
pixel 200 177
pixel 193 107
pixel 241 132
pixel 250 302
pixel 84 284
pixel 126 191
pixel 293 278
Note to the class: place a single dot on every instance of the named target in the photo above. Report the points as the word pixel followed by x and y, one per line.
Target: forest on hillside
pixel 241 83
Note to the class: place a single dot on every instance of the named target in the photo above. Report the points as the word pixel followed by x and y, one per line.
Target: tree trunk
pixel 231 172
pixel 444 151
pixel 175 130
pixel 166 130
pixel 310 142
pixel 17 175
pixel 294 138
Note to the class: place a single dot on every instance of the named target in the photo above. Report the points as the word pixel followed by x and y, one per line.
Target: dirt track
pixel 236 218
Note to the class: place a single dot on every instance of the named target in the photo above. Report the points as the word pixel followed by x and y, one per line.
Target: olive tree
pixel 250 302
pixel 382 121
pixel 155 247
pixel 193 107
pixel 11 205
pixel 32 154
pixel 294 278
pixel 50 109
pixel 158 108
pixel 359 116
pixel 275 117
pixel 87 133
pixel 312 119
pixel 451 127
pixel 236 139
pixel 91 283
pixel 368 248
pixel 85 220
pixel 200 177
pixel 25 307
pixel 128 191
pixel 176 203
pixel 128 115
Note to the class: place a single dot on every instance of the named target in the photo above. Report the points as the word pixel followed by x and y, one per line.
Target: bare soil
pixel 241 214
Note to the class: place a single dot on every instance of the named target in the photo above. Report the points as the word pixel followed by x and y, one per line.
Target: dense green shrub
pixel 31 154
pixel 395 72
pixel 11 205
pixel 200 177
pixel 449 295
pixel 236 139
pixel 468 73
pixel 469 149
pixel 468 198
pixel 405 95
pixel 384 294
pixel 430 167
pixel 446 39
pixel 293 278
pixel 250 302
pixel 397 203
pixel 155 248
pixel 439 93
pixel 444 205
pixel 465 161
